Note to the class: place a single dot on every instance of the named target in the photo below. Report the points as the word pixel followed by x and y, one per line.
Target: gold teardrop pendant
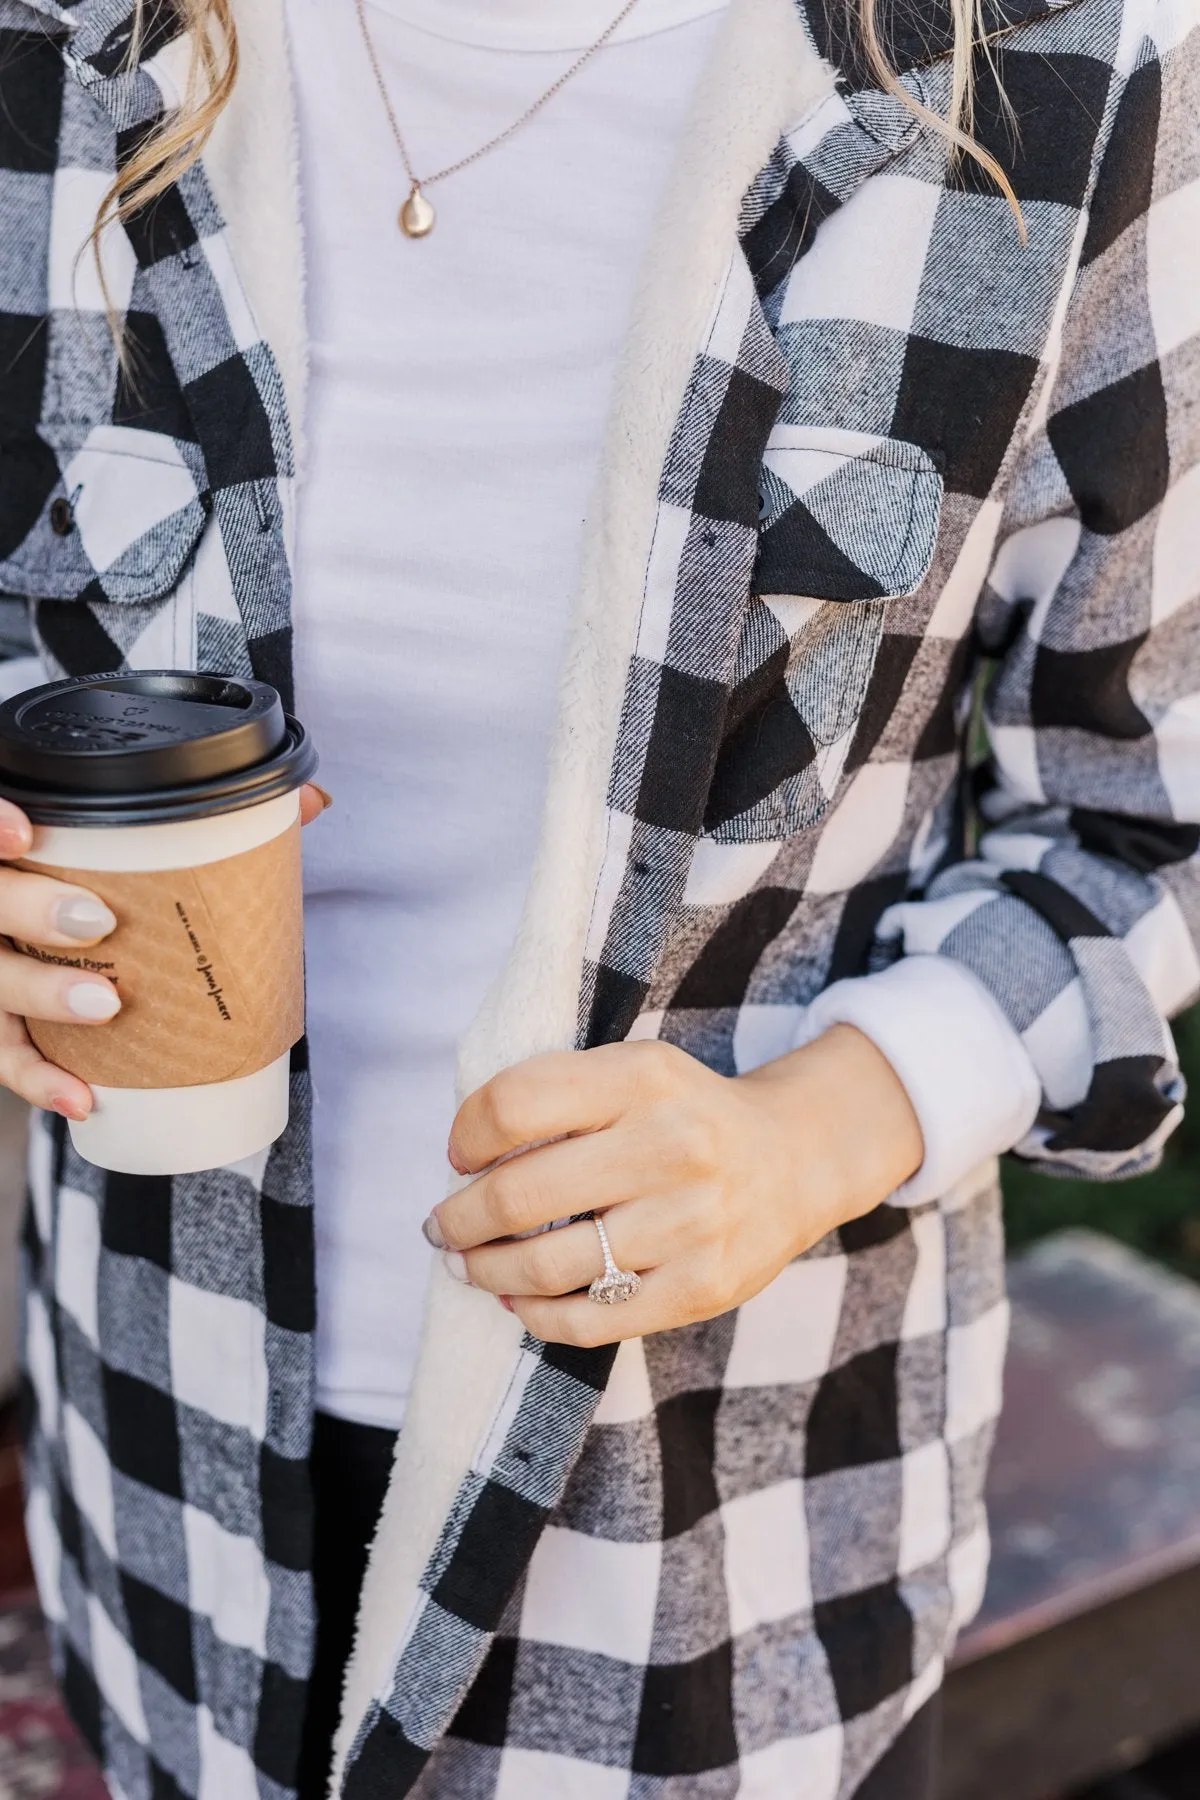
pixel 417 217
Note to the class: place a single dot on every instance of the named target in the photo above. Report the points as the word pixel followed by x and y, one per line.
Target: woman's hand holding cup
pixel 56 917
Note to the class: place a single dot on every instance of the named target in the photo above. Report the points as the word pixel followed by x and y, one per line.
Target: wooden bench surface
pixel 1087 1650
pixel 1095 1481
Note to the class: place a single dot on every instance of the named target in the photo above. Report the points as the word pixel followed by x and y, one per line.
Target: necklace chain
pixel 501 137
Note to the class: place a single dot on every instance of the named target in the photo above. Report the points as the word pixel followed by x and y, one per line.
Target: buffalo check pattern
pixel 167 1326
pixel 763 1551
pixel 730 1560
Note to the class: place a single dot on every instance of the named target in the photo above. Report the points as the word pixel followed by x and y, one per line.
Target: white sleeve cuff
pixel 971 1081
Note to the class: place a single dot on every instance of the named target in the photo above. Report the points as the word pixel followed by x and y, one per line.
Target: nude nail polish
pixel 83 916
pixel 89 1000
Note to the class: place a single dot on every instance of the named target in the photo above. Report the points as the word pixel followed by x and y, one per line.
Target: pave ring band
pixel 615 1285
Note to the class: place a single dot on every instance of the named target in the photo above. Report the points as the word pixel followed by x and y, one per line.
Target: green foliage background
pixel 1158 1214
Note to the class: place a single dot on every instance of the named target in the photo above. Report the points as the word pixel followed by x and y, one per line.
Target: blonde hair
pixel 167 152
pixel 958 125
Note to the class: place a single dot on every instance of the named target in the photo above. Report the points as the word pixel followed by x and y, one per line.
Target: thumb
pixel 313 802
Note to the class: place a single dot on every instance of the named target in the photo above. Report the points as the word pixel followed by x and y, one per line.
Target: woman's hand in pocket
pixel 58 979
pixel 708 1184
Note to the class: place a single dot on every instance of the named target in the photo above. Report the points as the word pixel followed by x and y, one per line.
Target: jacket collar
pixel 914 33
pixel 99 33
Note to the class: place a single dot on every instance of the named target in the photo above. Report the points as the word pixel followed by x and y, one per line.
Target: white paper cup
pixel 175 797
pixel 175 1130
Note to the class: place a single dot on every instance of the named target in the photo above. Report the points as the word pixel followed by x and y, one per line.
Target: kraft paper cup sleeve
pixel 208 963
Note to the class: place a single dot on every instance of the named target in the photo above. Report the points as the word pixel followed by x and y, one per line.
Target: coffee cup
pixel 175 798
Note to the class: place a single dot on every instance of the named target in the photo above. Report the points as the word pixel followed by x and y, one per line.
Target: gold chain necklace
pixel 417 217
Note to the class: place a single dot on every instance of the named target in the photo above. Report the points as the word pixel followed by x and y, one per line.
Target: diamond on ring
pixel 611 1290
pixel 615 1285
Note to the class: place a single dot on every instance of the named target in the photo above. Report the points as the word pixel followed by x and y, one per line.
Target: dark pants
pixel 350 1468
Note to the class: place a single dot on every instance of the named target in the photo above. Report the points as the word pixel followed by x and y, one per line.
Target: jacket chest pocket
pixel 114 516
pixel 848 524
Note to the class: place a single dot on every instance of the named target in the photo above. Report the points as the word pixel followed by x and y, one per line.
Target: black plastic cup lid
pixel 148 746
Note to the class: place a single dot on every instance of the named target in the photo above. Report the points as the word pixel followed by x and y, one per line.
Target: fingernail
pixel 14 841
pixel 68 1109
pixel 456 1265
pixel 88 1000
pixel 326 796
pixel 83 916
pixel 431 1231
pixel 505 1302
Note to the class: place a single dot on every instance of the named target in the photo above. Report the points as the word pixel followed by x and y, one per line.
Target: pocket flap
pixel 849 523
pixel 845 515
pixel 120 508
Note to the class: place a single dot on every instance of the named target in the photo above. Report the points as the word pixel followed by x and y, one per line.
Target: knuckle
pixel 697 1216
pixel 701 1289
pixel 550 1264
pixel 530 1262
pixel 36 993
pixel 532 1270
pixel 18 982
pixel 23 897
pixel 21 1072
pixel 502 1105
pixel 506 1198
pixel 31 1086
pixel 693 1136
pixel 662 1066
pixel 580 1330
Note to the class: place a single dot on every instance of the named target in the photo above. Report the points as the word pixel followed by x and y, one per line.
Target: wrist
pixel 964 1066
pixel 844 1118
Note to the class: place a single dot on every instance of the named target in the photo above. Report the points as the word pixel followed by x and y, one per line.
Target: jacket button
pixel 62 518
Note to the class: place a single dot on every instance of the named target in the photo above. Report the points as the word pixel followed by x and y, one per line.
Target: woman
pixel 898 342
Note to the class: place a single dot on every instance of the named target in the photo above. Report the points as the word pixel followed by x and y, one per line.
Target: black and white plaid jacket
pixel 863 441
